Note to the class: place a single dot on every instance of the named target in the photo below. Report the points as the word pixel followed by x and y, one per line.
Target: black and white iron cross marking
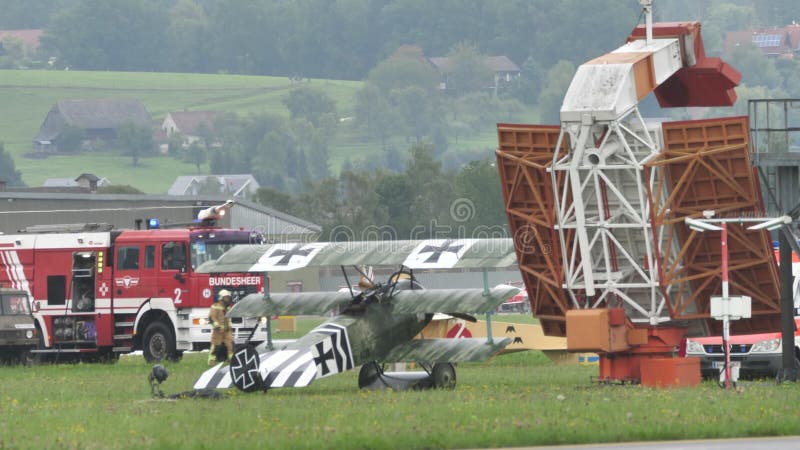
pixel 297 250
pixel 323 358
pixel 436 252
pixel 244 369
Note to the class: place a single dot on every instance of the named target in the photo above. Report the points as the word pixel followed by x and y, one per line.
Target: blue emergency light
pixel 153 223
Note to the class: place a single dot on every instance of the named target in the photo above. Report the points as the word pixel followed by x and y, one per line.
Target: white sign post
pixel 727 308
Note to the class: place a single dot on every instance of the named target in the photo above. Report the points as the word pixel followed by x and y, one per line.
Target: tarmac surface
pixel 767 443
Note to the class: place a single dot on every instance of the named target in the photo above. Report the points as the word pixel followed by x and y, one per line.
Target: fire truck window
pixel 150 256
pixel 56 289
pixel 173 256
pixel 128 258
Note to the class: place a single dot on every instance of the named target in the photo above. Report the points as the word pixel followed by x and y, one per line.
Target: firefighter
pixel 222 332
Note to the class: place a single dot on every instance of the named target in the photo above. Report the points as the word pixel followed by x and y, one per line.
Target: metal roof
pixel 92 115
pixel 73 207
pixel 228 183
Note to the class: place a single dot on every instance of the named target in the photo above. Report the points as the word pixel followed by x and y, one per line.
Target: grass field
pixel 27 95
pixel 512 400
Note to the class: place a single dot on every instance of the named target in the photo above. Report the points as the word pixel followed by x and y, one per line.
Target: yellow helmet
pixel 223 293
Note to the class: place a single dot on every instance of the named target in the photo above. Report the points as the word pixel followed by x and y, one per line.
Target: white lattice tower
pixel 608 243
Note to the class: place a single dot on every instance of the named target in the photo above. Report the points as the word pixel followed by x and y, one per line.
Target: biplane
pixel 374 325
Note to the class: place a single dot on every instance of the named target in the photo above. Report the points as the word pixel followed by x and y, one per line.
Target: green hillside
pixel 27 96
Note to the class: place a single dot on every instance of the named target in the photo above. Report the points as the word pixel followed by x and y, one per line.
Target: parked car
pixel 759 355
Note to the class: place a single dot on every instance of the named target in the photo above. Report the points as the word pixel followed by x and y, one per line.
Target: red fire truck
pixel 112 292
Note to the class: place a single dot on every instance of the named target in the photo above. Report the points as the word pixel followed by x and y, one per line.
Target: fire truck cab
pixel 112 292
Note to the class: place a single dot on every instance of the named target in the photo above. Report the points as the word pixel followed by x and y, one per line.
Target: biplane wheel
pixel 444 376
pixel 368 374
pixel 244 369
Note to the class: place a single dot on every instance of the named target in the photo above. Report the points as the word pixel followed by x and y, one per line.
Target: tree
pixel 408 68
pixel 175 144
pixel 8 171
pixel 375 114
pixel 135 140
pixel 467 71
pixel 275 199
pixel 196 154
pixel 395 193
pixel 312 146
pixel 13 55
pixel 755 67
pixel 788 69
pixel 430 192
pixel 108 35
pixel 310 104
pixel 556 83
pixel 29 14
pixel 721 18
pixel 245 36
pixel 416 109
pixel 745 93
pixel 526 87
pixel 477 187
pixel 188 46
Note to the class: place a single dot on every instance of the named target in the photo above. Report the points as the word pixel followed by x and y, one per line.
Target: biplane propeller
pixel 374 326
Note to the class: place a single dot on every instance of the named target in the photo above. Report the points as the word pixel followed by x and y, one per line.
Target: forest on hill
pixel 345 39
pixel 399 123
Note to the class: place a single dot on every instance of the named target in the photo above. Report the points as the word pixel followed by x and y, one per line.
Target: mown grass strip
pixel 513 400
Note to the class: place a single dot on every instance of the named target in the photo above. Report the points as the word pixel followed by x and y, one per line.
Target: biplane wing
pixel 425 254
pixel 470 301
pixel 293 304
pixel 445 350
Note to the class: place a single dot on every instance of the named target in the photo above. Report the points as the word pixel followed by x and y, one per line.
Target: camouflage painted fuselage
pixel 372 332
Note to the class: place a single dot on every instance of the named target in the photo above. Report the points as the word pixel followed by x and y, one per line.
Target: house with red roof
pixel 28 38
pixel 774 42
pixel 191 125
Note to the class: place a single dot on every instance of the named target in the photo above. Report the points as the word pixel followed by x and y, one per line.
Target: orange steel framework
pixel 596 207
pixel 706 167
pixel 523 159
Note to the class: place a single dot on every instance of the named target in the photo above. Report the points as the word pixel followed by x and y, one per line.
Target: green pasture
pixel 512 400
pixel 27 95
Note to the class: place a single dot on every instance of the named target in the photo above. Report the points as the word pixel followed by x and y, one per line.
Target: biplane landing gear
pixel 444 376
pixel 369 376
pixel 244 369
pixel 441 376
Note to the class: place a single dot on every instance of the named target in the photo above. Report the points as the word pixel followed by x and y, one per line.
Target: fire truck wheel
pixel 26 358
pixel 158 343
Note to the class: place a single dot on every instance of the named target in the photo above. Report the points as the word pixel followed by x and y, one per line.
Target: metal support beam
pixel 265 283
pixel 488 314
pixel 787 192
